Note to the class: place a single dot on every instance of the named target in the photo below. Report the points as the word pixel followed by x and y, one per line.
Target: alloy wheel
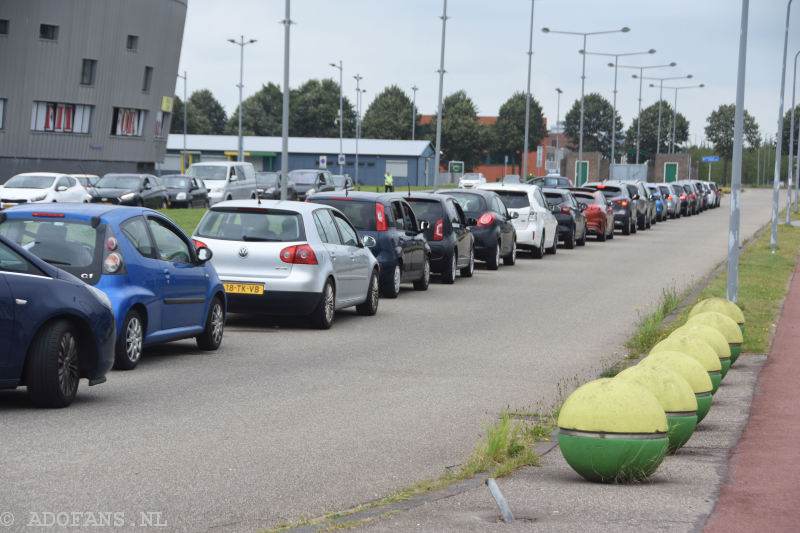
pixel 329 303
pixel 396 279
pixel 68 371
pixel 133 340
pixel 217 323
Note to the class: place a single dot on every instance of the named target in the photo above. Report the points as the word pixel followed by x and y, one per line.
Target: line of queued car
pixel 85 287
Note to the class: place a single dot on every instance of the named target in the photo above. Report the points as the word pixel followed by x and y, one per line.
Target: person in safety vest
pixel 388 182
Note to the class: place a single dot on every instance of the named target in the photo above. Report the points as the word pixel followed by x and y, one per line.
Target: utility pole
pixel 185 104
pixel 241 43
pixel 776 181
pixel 287 25
pixel 439 107
pixel 341 115
pixel 527 104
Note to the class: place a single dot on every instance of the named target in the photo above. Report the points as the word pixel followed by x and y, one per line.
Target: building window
pixel 2 111
pixel 148 77
pixel 162 120
pixel 87 71
pixel 127 122
pixel 60 118
pixel 3 26
pixel 133 42
pixel 48 31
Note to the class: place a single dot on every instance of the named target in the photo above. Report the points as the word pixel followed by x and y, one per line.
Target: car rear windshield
pixel 665 191
pixel 252 224
pixel 514 199
pixel 361 214
pixel 72 245
pixel 266 179
pixel 470 203
pixel 587 199
pixel 611 192
pixel 29 182
pixel 553 198
pixel 174 183
pixel 424 209
pixel 117 182
pixel 303 177
pixel 208 172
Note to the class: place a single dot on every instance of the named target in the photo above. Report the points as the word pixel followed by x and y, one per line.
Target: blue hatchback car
pixel 160 286
pixel 54 329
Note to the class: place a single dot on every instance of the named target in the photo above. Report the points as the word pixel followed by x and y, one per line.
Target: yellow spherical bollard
pixel 690 370
pixel 720 305
pixel 697 350
pixel 713 337
pixel 675 396
pixel 612 430
pixel 725 325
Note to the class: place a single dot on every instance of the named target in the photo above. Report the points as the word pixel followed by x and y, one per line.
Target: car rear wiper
pixel 258 239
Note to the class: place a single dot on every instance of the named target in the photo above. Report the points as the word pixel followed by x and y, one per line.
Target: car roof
pixel 497 186
pixel 48 174
pixel 83 212
pixel 476 192
pixel 362 196
pixel 129 175
pixel 554 190
pixel 288 205
pixel 219 163
pixel 415 194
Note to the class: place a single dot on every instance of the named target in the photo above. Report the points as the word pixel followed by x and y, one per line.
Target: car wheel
pixel 129 343
pixel 539 252
pixel 422 283
pixel 626 226
pixel 163 204
pixel 449 275
pixel 211 337
pixel 582 240
pixel 322 315
pixel 468 270
pixel 370 305
pixel 553 249
pixel 634 227
pixel 602 235
pixel 207 204
pixel 494 262
pixel 392 289
pixel 53 366
pixel 569 241
pixel 511 258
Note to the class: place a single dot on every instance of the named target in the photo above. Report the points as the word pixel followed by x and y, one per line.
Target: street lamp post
pixel 341 115
pixel 527 103
pixel 791 149
pixel 615 64
pixel 358 79
pixel 639 120
pixel 287 25
pixel 579 175
pixel 675 110
pixel 558 116
pixel 660 98
pixel 241 43
pixel 776 181
pixel 414 112
pixel 183 155
pixel 436 155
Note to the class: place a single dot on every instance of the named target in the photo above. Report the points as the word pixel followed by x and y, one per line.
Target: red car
pixel 599 215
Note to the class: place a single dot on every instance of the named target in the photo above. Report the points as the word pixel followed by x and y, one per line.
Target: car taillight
pixel 623 203
pixel 438 230
pixel 199 244
pixel 669 197
pixel 692 196
pixel 49 215
pixel 565 210
pixel 111 243
pixel 299 254
pixel 683 196
pixel 487 219
pixel 380 216
pixel 112 263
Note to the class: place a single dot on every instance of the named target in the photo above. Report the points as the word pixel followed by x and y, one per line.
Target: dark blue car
pixel 54 329
pixel 400 245
pixel 161 287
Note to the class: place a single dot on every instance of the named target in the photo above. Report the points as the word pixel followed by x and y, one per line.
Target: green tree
pixel 649 135
pixel 787 123
pixel 461 133
pixel 719 131
pixel 210 108
pixel 596 124
pixel 196 123
pixel 509 129
pixel 314 108
pixel 261 113
pixel 388 116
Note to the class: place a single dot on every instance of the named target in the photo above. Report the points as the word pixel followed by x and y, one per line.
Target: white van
pixel 226 180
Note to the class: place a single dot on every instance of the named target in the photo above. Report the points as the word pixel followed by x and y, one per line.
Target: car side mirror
pixel 514 215
pixel 204 254
pixel 472 221
pixel 233 178
pixel 61 188
pixel 583 207
pixel 635 196
pixel 423 225
pixel 147 186
pixel 368 241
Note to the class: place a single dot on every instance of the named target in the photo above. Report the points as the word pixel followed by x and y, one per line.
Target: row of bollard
pixel 620 429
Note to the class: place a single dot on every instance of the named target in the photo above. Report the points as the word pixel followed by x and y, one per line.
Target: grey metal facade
pixel 36 69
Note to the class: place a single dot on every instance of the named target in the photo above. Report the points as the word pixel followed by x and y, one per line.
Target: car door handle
pixel 21 302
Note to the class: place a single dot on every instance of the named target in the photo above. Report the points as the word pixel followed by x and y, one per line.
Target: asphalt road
pixel 285 421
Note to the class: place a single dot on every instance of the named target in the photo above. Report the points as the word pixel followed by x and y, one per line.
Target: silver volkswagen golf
pixel 289 258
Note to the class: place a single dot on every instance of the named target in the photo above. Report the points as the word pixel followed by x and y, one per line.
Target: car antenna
pixel 408 183
pixel 258 194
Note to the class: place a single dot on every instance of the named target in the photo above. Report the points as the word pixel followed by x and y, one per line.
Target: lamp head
pixel 559 91
pixel 611 64
pixel 625 29
pixel 689 76
pixel 635 76
pixel 652 85
pixel 231 41
pixel 702 85
pixel 251 41
pixel 651 51
pixel 673 64
pixel 545 30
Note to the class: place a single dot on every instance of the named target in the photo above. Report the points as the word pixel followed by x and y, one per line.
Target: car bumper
pixel 485 241
pixel 440 256
pixel 527 235
pixel 284 303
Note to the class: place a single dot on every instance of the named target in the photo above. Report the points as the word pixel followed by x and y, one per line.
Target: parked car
pixel 702 193
pixel 290 258
pixel 54 329
pixel 558 182
pixel 130 189
pixel 269 186
pixel 471 180
pixel 649 202
pixel 86 180
pixel 310 181
pixel 400 246
pixel 622 202
pixel 599 213
pixel 490 224
pixel 161 288
pixel 683 198
pixel 535 224
pixel 569 214
pixel 452 244
pixel 342 182
pixel 715 193
pixel 225 180
pixel 185 191
pixel 691 198
pixel 655 192
pixel 33 187
pixel 672 202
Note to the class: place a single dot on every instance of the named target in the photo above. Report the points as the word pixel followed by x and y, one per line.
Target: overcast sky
pixel 398 42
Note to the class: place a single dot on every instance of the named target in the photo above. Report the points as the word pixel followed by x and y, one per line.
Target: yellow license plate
pixel 244 288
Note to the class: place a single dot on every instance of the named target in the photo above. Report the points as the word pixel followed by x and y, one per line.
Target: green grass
pixel 186 219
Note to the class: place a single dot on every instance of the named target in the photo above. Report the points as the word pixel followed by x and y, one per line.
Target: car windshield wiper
pixel 55 262
pixel 250 238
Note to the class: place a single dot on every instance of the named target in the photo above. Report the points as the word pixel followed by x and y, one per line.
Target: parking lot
pixel 285 421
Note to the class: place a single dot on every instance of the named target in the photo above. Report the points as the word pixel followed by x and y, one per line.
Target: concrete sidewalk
pixel 762 492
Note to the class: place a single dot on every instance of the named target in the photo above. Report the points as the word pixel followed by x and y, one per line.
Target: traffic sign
pixel 710 158
pixel 341 159
pixel 323 161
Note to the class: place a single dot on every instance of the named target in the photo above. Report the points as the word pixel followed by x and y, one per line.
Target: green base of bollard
pixel 726 365
pixel 613 459
pixel 736 350
pixel 741 327
pixel 703 405
pixel 716 377
pixel 680 430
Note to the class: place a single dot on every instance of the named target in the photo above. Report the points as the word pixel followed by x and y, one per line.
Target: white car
pixel 471 180
pixel 536 226
pixel 32 187
pixel 290 258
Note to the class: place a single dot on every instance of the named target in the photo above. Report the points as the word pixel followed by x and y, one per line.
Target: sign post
pixel 710 159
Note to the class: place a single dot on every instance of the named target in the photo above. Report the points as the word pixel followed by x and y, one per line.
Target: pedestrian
pixel 388 182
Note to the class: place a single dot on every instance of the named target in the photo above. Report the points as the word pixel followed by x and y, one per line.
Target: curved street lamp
pixel 660 93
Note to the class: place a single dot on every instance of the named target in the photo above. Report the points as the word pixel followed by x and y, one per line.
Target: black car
pixel 185 191
pixel 569 214
pixel 400 245
pixel 310 181
pixel 452 244
pixel 622 202
pixel 490 224
pixel 130 189
pixel 556 182
pixel 647 201
pixel 268 186
pixel 691 207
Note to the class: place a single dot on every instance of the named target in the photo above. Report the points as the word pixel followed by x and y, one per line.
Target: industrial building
pixel 87 85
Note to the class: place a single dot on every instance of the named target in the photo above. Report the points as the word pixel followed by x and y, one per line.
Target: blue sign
pixel 710 158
